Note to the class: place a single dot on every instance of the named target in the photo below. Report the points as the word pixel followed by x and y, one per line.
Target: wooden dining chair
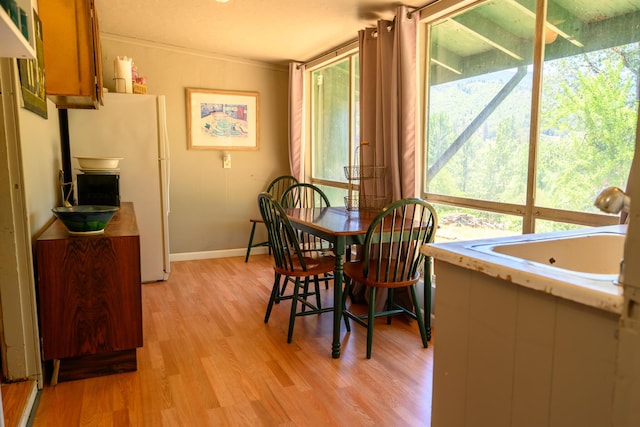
pixel 391 259
pixel 291 265
pixel 303 195
pixel 275 188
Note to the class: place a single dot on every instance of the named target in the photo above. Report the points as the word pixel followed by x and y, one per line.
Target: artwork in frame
pixel 222 119
pixel 32 77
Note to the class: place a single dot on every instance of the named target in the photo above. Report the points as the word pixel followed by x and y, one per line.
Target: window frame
pixel 529 211
pixel 351 53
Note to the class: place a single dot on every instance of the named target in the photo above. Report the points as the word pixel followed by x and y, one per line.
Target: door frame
pixel 20 349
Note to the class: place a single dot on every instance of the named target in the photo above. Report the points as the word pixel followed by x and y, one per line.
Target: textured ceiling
pixel 275 31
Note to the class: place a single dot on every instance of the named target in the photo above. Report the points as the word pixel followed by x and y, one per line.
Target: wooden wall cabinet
pixel 89 297
pixel 72 54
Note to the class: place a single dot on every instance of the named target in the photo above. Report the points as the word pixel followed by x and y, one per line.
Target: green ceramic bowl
pixel 85 218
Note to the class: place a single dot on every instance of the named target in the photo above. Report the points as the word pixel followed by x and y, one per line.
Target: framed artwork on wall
pixel 222 119
pixel 32 80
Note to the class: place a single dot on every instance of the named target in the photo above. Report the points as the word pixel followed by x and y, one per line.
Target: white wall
pixel 210 206
pixel 40 141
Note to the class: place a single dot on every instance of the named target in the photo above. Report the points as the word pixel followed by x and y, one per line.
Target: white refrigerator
pixel 133 127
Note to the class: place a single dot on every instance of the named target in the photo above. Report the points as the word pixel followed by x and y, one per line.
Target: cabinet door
pixel 71 53
pixel 97 52
pixel 89 295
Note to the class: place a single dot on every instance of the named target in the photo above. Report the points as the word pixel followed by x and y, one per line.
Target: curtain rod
pixel 342 46
pixel 419 9
pixel 333 51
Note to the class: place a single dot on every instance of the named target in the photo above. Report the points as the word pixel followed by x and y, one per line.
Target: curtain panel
pixel 296 119
pixel 388 114
pixel 388 104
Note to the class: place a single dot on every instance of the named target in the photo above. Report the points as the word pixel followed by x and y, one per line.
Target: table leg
pixel 56 371
pixel 428 274
pixel 338 248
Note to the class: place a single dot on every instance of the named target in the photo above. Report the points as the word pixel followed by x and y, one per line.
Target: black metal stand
pixel 65 151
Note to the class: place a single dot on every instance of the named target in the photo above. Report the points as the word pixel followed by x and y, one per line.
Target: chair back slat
pixel 279 185
pixel 282 237
pixel 393 240
pixel 304 195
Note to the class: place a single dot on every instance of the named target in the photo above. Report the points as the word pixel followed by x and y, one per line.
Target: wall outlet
pixel 226 161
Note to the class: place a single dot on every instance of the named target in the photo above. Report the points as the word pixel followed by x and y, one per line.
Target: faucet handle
pixel 612 200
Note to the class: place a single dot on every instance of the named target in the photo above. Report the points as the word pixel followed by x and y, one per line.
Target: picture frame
pixel 32 76
pixel 222 119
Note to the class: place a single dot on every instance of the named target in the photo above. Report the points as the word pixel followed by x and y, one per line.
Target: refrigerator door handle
pixel 165 177
pixel 164 148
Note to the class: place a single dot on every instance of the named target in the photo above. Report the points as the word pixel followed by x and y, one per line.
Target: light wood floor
pixel 209 359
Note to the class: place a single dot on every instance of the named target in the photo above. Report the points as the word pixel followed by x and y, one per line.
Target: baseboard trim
pixel 22 399
pixel 31 405
pixel 226 253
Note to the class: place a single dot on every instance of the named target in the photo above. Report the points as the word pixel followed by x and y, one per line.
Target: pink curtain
pixel 388 109
pixel 296 120
pixel 388 105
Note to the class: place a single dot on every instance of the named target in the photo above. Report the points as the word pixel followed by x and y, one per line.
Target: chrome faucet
pixel 612 200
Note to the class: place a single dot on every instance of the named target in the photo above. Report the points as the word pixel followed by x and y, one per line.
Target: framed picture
pixel 222 120
pixel 32 83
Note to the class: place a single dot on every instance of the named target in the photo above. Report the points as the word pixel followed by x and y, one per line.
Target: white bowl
pixel 97 163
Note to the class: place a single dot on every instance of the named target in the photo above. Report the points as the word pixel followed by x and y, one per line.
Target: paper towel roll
pixel 122 74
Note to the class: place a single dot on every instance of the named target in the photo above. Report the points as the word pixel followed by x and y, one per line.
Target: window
pixel 334 125
pixel 589 103
pixel 507 158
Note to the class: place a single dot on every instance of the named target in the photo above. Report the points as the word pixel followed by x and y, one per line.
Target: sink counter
pixel 524 335
pixel 596 290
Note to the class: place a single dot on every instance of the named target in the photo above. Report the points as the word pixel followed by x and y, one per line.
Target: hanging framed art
pixel 222 119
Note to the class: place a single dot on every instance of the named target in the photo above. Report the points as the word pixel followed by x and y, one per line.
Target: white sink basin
pixel 579 265
pixel 592 254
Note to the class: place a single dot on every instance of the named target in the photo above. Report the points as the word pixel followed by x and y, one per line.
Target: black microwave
pixel 98 189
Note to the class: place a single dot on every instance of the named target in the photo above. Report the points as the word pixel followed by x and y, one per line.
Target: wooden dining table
pixel 341 228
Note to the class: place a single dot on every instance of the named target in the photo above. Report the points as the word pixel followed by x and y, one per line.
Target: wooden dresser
pixel 89 298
